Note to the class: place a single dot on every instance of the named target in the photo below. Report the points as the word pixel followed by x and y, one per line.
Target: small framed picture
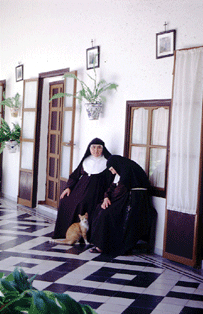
pixel 19 73
pixel 93 57
pixel 165 44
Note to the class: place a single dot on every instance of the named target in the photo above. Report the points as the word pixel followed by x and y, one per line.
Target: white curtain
pixel 158 155
pixel 185 141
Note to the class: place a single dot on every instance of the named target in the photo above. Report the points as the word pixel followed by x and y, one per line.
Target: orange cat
pixel 76 231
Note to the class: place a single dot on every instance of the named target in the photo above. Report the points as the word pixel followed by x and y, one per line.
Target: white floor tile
pixel 87 283
pixel 176 301
pixel 120 301
pixel 195 304
pixel 41 285
pixel 172 308
pixel 95 298
pixel 123 276
pixel 183 289
pixel 108 308
pixel 110 286
pixel 77 296
pixel 155 291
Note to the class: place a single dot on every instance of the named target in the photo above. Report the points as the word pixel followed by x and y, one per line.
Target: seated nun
pixel 126 213
pixel 85 188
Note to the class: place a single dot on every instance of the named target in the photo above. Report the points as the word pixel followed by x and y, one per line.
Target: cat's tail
pixel 60 241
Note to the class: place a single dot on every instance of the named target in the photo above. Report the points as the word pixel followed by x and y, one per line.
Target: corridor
pixel 139 283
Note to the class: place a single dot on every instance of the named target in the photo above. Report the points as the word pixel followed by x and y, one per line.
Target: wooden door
pixel 2 89
pixel 28 147
pixel 54 142
pixel 60 140
pixel 30 135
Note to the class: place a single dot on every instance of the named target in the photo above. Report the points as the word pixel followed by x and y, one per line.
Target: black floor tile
pixel 96 278
pixel 105 292
pixel 143 279
pixel 191 310
pixel 59 288
pixel 93 305
pixel 127 295
pixel 51 276
pixel 137 310
pixel 187 284
pixel 147 301
pixel 179 295
pixel 23 264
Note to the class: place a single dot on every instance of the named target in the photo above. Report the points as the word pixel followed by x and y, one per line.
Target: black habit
pixel 86 192
pixel 117 229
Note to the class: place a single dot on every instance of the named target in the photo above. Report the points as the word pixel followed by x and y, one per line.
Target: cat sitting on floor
pixel 76 231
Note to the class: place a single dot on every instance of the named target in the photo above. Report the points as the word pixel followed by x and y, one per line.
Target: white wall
pixel 47 35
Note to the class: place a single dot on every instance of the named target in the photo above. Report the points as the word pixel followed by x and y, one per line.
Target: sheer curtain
pixel 185 138
pixel 158 155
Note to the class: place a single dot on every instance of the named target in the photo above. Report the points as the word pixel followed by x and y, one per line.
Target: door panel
pixel 60 140
pixel 54 140
pixel 183 223
pixel 32 103
pixel 28 141
pixel 2 89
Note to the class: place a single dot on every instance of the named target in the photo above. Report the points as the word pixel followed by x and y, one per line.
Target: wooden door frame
pixel 3 84
pixel 42 76
pixel 57 133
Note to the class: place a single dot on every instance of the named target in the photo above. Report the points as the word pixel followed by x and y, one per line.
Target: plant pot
pixel 93 110
pixel 14 112
pixel 12 146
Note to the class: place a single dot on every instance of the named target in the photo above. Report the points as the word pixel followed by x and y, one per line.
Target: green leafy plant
pixel 19 296
pixel 11 102
pixel 92 94
pixel 8 134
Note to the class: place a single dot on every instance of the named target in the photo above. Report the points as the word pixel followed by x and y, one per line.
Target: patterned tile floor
pixel 124 284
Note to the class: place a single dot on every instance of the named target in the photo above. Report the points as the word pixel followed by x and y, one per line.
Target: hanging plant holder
pixel 92 94
pixel 13 103
pixel 93 110
pixel 12 146
pixel 14 112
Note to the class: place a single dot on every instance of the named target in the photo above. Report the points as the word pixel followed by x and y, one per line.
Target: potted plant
pixel 13 103
pixel 17 295
pixel 92 95
pixel 9 137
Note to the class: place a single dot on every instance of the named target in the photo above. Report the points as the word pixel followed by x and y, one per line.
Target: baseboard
pixel 158 251
pixel 9 197
pixel 47 210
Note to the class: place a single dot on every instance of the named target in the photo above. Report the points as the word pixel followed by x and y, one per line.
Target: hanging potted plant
pixel 13 103
pixel 92 96
pixel 9 138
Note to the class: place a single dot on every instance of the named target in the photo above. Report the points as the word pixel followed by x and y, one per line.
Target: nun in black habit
pixel 126 213
pixel 85 188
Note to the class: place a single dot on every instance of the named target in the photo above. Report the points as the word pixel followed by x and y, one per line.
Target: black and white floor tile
pixel 138 283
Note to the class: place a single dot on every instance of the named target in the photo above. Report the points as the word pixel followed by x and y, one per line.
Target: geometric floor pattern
pixel 139 283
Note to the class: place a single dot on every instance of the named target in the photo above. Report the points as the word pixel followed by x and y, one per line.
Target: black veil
pixel 131 174
pixel 96 141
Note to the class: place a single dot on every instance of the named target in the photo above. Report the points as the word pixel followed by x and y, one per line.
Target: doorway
pixel 29 179
pixel 53 144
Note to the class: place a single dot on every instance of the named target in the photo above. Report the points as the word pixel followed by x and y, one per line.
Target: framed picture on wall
pixel 19 73
pixel 165 44
pixel 93 57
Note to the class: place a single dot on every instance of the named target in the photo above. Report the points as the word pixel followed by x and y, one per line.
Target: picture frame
pixel 19 73
pixel 93 57
pixel 165 43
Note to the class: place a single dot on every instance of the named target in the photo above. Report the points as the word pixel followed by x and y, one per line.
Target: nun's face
pixel 96 150
pixel 113 171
